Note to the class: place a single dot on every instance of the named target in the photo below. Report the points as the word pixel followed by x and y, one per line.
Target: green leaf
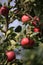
pixel 34 34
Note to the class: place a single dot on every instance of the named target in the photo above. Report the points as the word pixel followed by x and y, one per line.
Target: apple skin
pixel 10 55
pixel 32 43
pixel 24 41
pixel 36 29
pixel 34 23
pixel 4 10
pixel 25 18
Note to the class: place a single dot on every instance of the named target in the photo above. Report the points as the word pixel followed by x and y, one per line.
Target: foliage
pixel 10 40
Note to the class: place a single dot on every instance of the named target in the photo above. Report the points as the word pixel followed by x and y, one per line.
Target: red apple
pixel 25 18
pixel 32 42
pixel 36 29
pixel 36 18
pixel 10 55
pixel 34 23
pixel 4 11
pixel 24 41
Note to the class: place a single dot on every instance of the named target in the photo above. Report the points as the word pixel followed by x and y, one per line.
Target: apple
pixel 10 55
pixel 24 41
pixel 34 23
pixel 36 29
pixel 25 18
pixel 4 10
pixel 36 18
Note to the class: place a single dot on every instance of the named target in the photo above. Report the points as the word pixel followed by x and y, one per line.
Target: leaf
pixel 37 12
pixel 12 42
pixel 26 1
pixel 32 0
pixel 8 32
pixel 34 34
pixel 11 34
pixel 29 1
